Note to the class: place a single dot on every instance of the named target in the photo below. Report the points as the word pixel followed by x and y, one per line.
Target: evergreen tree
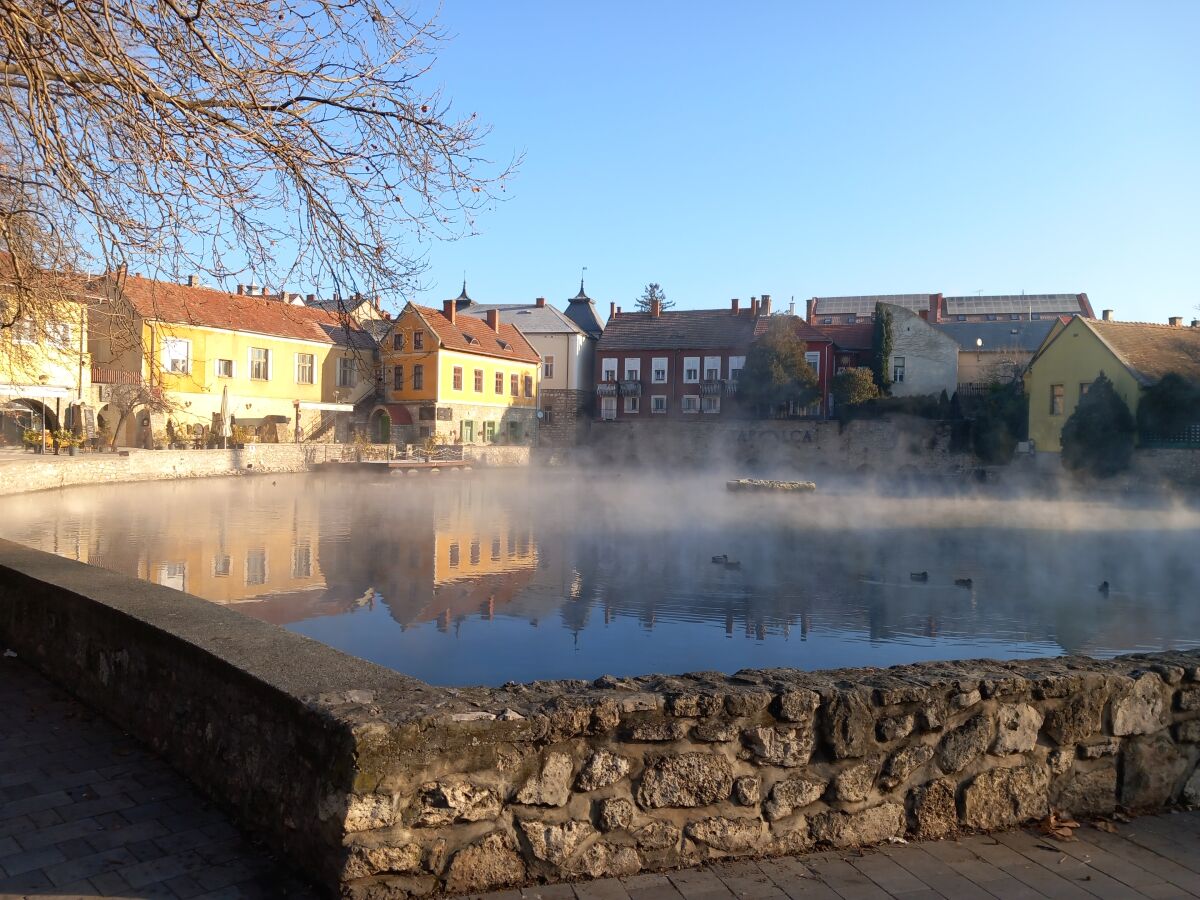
pixel 1098 437
pixel 653 292
pixel 881 347
pixel 852 387
pixel 1166 409
pixel 776 373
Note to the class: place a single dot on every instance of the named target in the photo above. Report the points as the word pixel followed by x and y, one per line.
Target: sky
pixel 802 149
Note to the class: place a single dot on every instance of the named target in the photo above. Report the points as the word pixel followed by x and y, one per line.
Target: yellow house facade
pixel 1132 355
pixel 171 353
pixel 458 377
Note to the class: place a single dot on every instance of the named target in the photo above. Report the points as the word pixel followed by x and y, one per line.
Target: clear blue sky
pixel 800 149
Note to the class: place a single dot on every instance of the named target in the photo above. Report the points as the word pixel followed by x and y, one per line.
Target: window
pixel 850 320
pixel 479 381
pixel 499 382
pixel 548 415
pixel 712 368
pixel 1016 317
pixel 609 370
pixel 736 364
pixel 960 318
pixel 468 432
pixel 305 364
pixel 24 333
pixel 398 378
pixel 633 404
pixel 710 404
pixel 398 340
pixel 991 317
pixel 496 548
pixel 898 369
pixel 828 320
pixel 475 552
pixel 691 369
pixel 221 565
pixel 260 364
pixel 528 385
pixel 302 561
pixel 514 385
pixel 691 403
pixel 1035 315
pixel 608 407
pixel 224 368
pixel 418 340
pixel 173 575
pixel 658 403
pixel 1056 399
pixel 489 431
pixel 1084 388
pixel 658 370
pixel 813 358
pixel 454 555
pixel 256 567
pixel 633 370
pixel 175 355
pixel 347 374
pixel 458 378
pixel 418 377
pixel 547 366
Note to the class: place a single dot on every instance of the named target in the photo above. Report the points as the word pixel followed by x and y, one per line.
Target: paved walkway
pixel 85 812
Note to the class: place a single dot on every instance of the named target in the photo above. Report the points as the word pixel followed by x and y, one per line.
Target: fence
pixel 1186 439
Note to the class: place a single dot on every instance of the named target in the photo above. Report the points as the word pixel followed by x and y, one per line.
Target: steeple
pixel 582 312
pixel 463 300
pixel 582 296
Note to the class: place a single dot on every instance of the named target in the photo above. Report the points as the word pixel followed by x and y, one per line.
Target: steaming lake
pixel 488 577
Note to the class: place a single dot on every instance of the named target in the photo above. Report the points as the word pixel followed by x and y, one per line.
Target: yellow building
pixel 456 376
pixel 1132 355
pixel 167 352
pixel 44 365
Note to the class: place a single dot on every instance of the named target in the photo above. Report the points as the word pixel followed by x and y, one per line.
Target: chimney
pixel 655 308
pixel 612 309
pixel 1175 321
pixel 241 289
pixel 766 304
pixel 493 318
pixel 1106 315
pixel 753 306
pixel 792 307
pixel 811 309
pixel 541 301
pixel 191 281
pixel 311 299
pixel 735 306
pixel 924 314
pixel 449 308
pixel 1196 323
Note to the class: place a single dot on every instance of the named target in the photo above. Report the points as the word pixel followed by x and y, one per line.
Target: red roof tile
pixel 485 341
pixel 850 337
pixel 207 307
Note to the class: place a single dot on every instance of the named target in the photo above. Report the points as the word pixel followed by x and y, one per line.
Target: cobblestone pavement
pixel 85 812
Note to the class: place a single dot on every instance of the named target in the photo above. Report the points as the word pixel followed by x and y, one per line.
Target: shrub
pixel 1166 409
pixel 1002 419
pixel 776 373
pixel 853 387
pixel 1098 437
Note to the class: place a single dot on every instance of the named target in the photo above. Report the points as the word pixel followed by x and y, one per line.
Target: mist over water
pixel 487 577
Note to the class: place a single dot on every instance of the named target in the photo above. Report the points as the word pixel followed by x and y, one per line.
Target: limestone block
pixel 1078 718
pixel 965 699
pixel 959 747
pixel 1151 769
pixel 903 763
pixel 1092 793
pixel 615 813
pixel 658 732
pixel 1017 727
pixel 550 787
pixel 792 794
pixel 1188 700
pixel 555 843
pixel 848 725
pixel 798 706
pixel 453 800
pixel 1191 790
pixel 685 780
pixel 715 731
pixel 1141 708
pixel 363 862
pixel 366 812
pixel 747 703
pixel 746 790
pixel 1002 797
pixel 657 836
pixel 934 810
pixel 870 826
pixel 895 727
pixel 853 784
pixel 728 835
pixel 1099 749
pixel 1188 732
pixel 491 862
pixel 605 860
pixel 787 747
pixel 602 769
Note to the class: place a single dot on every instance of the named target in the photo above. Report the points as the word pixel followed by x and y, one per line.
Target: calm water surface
pixel 487 577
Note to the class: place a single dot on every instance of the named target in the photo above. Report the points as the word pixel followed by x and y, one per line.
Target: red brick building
pixel 939 309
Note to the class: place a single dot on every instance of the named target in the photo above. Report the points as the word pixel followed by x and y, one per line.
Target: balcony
pixel 606 389
pixel 731 386
pixel 711 386
pixel 631 388
pixel 108 375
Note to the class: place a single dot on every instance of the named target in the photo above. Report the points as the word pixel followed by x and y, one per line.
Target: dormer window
pixel 470 339
pixel 504 345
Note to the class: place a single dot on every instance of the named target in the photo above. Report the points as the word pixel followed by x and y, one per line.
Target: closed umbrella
pixel 226 431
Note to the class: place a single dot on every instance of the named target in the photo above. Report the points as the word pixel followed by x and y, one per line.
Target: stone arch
pixel 381 426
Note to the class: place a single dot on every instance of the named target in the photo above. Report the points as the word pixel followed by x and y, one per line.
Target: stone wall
pixel 381 786
pixel 496 455
pixel 568 415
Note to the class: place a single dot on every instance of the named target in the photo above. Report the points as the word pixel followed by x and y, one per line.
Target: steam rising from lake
pixel 487 577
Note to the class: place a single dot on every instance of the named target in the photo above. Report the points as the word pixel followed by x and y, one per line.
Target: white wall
pixel 930 357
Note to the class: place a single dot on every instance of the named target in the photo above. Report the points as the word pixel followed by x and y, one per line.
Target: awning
pixel 327 407
pixel 34 391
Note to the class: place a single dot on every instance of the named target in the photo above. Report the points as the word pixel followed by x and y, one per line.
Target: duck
pixel 1103 588
pixel 919 576
pixel 720 560
pixel 964 582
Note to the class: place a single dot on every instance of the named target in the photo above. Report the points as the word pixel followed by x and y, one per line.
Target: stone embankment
pixel 759 484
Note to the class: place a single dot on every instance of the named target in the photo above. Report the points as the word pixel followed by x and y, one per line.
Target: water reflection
pixel 491 577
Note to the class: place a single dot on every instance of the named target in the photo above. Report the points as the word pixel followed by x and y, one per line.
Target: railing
pixel 710 387
pixel 107 375
pixel 631 388
pixel 1186 439
pixel 606 389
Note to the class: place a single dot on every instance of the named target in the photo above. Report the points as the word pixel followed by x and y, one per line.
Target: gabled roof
pixel 678 329
pixel 1024 335
pixel 469 334
pixel 204 307
pixel 1151 351
pixel 1004 304
pixel 864 304
pixel 529 317
pixel 803 330
pixel 850 337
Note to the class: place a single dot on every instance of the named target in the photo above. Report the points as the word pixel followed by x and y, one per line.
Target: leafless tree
pixel 296 140
pixel 125 398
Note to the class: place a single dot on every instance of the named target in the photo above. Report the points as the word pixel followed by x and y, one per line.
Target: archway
pixel 381 427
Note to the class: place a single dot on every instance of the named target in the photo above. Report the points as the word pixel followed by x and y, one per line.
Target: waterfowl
pixel 719 560
pixel 963 582
pixel 1103 588
pixel 919 576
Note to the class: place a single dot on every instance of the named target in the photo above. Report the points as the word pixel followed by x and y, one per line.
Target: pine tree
pixel 881 346
pixel 653 292
pixel 776 373
pixel 1098 437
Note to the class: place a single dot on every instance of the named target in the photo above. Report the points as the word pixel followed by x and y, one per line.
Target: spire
pixel 582 296
pixel 463 300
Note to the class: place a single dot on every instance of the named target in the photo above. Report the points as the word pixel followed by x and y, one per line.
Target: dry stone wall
pixel 569 780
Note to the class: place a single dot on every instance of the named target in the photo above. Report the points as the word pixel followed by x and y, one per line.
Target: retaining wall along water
pixel 381 786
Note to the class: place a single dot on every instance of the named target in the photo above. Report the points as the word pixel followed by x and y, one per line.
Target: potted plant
pixel 159 439
pixel 65 438
pixel 32 438
pixel 240 437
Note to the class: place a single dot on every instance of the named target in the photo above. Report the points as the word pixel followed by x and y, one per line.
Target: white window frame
pixel 608 407
pixel 548 365
pixel 608 369
pixel 296 559
pixel 710 404
pixel 654 403
pixel 250 360
pixel 173 575
pixel 168 357
pixel 898 369
pixel 633 369
pixel 691 370
pixel 266 566
pixel 813 358
pixel 736 364
pixel 217 368
pixel 222 571
pixel 344 380
pixel 712 364
pixel 691 404
pixel 660 364
pixel 296 368
pixel 633 405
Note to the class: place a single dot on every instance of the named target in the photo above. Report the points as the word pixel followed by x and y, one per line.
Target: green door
pixel 468 432
pixel 385 428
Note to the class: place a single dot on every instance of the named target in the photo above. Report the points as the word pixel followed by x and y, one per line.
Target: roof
pixel 803 330
pixel 678 329
pixel 205 307
pixel 582 312
pixel 1151 351
pixel 472 335
pixel 850 337
pixel 864 304
pixel 1018 303
pixel 1024 335
pixel 529 317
